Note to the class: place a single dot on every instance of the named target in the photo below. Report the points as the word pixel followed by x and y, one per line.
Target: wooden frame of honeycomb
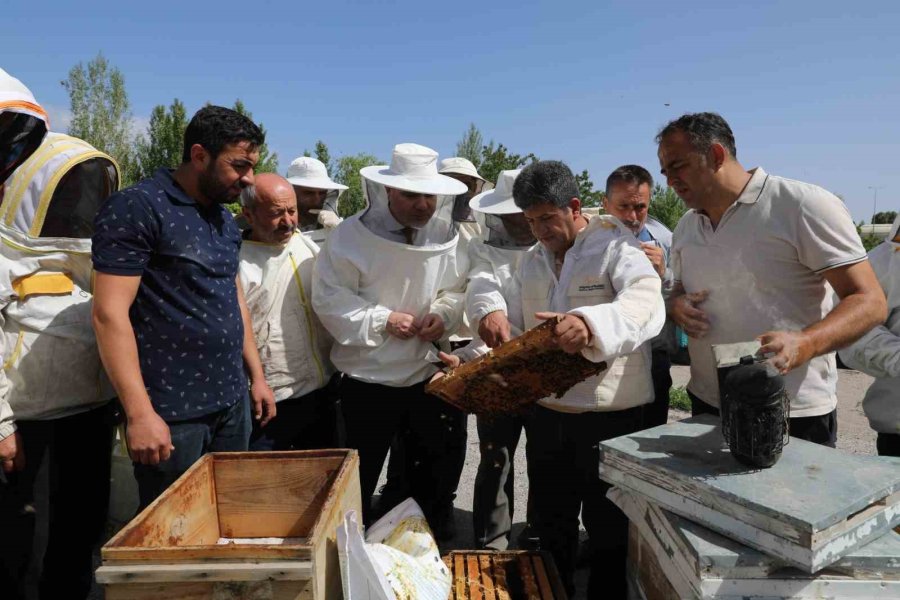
pixel 515 375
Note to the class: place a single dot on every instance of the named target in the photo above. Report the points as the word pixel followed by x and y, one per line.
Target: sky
pixel 810 89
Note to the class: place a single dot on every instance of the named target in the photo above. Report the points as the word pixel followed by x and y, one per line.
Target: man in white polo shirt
pixel 757 258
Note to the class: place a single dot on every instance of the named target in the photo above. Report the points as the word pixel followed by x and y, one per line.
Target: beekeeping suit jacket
pixel 609 282
pixel 24 126
pixel 326 219
pixel 362 276
pixel 51 356
pixel 293 346
pixel 878 352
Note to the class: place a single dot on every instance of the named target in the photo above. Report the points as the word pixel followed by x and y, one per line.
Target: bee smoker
pixel 755 408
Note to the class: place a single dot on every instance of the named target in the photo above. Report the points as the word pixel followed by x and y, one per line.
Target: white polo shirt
pixel 763 268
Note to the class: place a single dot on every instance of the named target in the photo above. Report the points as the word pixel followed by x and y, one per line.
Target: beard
pixel 213 189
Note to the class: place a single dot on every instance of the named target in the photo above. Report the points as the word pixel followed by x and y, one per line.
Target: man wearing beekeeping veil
pixel 23 124
pixel 52 511
pixel 317 197
pixel 494 258
pixel 380 288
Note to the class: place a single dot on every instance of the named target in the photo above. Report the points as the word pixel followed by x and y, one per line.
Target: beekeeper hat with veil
pixel 502 222
pixel 23 124
pixel 46 276
pixel 318 213
pixel 413 169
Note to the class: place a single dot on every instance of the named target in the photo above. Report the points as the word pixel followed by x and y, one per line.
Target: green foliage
pixel 470 145
pixel 884 218
pixel 869 240
pixel 679 399
pixel 666 207
pixel 323 156
pixel 498 158
pixel 100 111
pixel 164 142
pixel 586 193
pixel 347 172
pixel 268 161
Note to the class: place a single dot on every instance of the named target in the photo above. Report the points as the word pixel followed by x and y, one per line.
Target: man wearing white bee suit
pixel 878 352
pixel 380 288
pixel 276 272
pixel 23 124
pixel 494 259
pixel 317 197
pixel 53 511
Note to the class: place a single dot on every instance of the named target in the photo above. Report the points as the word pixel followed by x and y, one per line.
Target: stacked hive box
pixel 705 526
pixel 209 535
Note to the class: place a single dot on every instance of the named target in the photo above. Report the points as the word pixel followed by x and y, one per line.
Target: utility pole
pixel 874 189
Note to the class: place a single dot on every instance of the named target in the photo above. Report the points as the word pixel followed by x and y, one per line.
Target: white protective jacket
pixel 878 352
pixel 608 281
pixel 293 346
pixel 51 355
pixel 22 138
pixel 360 278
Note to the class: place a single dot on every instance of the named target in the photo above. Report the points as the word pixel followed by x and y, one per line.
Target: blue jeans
pixel 227 430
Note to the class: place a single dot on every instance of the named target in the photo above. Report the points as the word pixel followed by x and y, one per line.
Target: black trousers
pixel 53 512
pixel 563 466
pixel 431 430
pixel 307 422
pixel 888 444
pixel 821 429
pixel 657 412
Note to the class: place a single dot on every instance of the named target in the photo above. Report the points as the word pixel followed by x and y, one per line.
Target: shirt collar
pixel 166 179
pixel 754 188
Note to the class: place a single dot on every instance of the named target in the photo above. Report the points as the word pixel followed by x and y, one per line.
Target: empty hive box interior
pixel 226 503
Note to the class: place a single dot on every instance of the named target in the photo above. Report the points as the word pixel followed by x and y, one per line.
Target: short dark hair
pixel 704 129
pixel 630 174
pixel 214 127
pixel 545 182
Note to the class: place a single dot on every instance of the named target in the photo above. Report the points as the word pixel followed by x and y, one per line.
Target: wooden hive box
pixel 510 575
pixel 171 549
pixel 670 557
pixel 816 505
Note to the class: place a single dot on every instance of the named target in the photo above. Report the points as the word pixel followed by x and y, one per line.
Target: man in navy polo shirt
pixel 172 325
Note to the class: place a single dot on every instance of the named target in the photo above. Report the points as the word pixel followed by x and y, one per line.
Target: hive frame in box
pixel 814 506
pixel 170 549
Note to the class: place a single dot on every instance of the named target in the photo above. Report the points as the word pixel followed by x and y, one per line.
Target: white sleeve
pixel 483 294
pixel 349 318
pixel 450 300
pixel 877 353
pixel 7 423
pixel 636 314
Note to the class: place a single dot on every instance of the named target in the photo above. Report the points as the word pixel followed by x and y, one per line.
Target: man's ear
pixel 199 156
pixel 718 155
pixel 575 206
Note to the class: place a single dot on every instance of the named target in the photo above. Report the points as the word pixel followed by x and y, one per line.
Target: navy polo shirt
pixel 186 316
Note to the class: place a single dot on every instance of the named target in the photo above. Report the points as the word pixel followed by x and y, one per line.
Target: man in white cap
pixel 317 197
pixel 380 288
pixel 276 275
pixel 494 259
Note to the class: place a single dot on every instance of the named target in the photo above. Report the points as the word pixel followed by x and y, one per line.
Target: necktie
pixel 410 234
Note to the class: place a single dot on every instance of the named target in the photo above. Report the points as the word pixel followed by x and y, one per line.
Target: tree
pixel 869 240
pixel 498 158
pixel 666 207
pixel 347 172
pixel 268 162
pixel 163 145
pixel 884 218
pixel 100 111
pixel 470 145
pixel 586 193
